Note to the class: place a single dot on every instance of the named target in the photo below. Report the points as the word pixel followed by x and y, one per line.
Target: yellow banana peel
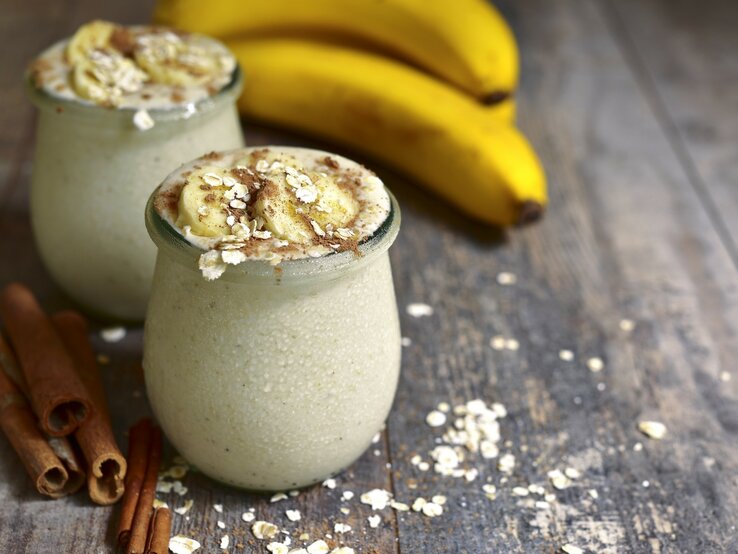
pixel 399 116
pixel 464 42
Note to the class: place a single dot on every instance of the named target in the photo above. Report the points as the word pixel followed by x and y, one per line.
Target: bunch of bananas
pixel 425 86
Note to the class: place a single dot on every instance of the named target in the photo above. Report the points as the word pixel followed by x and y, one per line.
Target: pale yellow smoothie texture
pixel 274 363
pixel 119 108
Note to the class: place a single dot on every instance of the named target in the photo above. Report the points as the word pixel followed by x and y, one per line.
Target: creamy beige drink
pixel 272 343
pixel 119 107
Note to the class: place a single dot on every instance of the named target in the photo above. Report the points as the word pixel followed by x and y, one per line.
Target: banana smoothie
pixel 119 107
pixel 272 340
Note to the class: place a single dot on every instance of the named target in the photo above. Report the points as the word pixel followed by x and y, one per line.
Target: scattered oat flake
pixel 646 484
pixel 435 418
pixel 277 497
pixel 376 498
pixel 182 510
pixel 318 547
pixel 329 483
pixel 571 549
pixel 418 309
pixel 506 278
pixel 374 521
pixel 593 493
pixel 506 463
pixel 406 341
pixel 652 429
pixel 418 504
pixel 431 509
pixel 439 499
pixel 113 334
pixel 264 530
pixel 218 508
pixel 497 342
pixel 248 517
pixel 512 344
pixel 341 528
pixel 160 503
pixel 225 542
pixel 637 447
pixel 347 495
pixel 595 364
pixel 278 548
pixel 179 544
pixel 345 511
pixel 558 480
pixel 221 524
pixel 520 491
pixel 143 120
pixel 627 325
pixel 566 355
pixel 725 376
pixel 572 473
pixel 293 515
pixel 399 506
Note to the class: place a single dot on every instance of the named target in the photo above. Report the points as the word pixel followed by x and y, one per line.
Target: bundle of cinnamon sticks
pixel 52 405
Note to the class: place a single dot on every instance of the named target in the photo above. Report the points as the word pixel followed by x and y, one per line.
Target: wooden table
pixel 632 107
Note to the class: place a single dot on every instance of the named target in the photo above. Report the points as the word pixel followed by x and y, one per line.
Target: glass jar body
pixel 271 387
pixel 93 172
pixel 271 384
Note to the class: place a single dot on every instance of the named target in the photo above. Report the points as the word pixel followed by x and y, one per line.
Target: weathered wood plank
pixel 690 76
pixel 626 237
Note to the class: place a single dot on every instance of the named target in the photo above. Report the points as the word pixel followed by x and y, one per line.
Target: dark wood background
pixel 632 106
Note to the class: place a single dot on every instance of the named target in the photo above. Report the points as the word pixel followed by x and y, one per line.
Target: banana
pixel 465 42
pixel 94 35
pixel 170 60
pixel 103 76
pixel 293 197
pixel 399 116
pixel 202 203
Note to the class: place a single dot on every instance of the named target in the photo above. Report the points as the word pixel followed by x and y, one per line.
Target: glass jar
pixel 92 173
pixel 272 378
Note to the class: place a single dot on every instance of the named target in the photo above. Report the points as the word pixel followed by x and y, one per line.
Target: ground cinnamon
pixel 145 504
pixel 139 441
pixel 106 466
pixel 159 532
pixel 57 395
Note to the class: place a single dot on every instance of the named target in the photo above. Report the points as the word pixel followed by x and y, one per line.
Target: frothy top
pixel 271 204
pixel 133 67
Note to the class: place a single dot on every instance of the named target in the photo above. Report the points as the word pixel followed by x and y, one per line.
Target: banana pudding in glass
pixel 272 340
pixel 119 107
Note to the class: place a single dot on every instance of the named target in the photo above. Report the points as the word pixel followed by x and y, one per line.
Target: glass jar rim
pixel 298 271
pixel 44 99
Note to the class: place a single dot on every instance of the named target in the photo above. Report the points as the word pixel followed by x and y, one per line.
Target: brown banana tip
pixel 495 97
pixel 530 212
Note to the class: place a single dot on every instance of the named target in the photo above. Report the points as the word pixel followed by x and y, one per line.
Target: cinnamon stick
pixel 139 441
pixel 19 425
pixel 106 466
pixel 57 395
pixel 159 532
pixel 26 432
pixel 145 504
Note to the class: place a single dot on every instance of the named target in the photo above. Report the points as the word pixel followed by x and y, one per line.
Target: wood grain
pixel 690 79
pixel 628 235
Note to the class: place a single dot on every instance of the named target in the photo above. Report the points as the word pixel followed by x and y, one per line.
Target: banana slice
pixel 297 205
pixel 103 76
pixel 202 203
pixel 170 60
pixel 92 36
